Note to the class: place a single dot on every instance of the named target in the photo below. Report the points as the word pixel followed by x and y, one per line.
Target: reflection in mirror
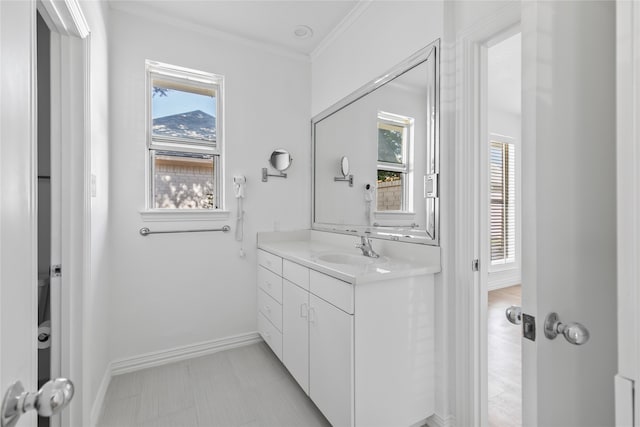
pixel 389 132
pixel 280 160
pixel 344 170
pixel 344 166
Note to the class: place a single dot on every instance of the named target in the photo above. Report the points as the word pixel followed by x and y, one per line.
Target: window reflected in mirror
pixel 394 147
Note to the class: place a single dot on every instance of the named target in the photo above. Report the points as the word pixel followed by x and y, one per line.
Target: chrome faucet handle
pixel 366 248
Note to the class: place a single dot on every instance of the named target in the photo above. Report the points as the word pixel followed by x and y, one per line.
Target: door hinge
pixel 475 265
pixel 431 186
pixel 55 271
pixel 624 391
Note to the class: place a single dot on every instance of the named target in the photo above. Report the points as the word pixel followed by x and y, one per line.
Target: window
pixel 184 138
pixel 502 205
pixel 394 147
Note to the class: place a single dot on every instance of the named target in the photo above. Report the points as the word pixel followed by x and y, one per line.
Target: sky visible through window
pixel 178 101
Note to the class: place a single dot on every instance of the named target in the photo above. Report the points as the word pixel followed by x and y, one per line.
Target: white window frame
pixel 193 79
pixel 406 167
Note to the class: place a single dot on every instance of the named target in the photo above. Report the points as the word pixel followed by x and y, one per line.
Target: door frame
pixel 70 140
pixel 471 292
pixel 628 211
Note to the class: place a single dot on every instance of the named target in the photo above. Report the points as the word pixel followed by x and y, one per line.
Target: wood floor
pixel 246 386
pixel 505 370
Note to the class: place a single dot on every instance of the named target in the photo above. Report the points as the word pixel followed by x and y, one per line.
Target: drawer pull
pixel 268 284
pixel 304 310
pixel 267 308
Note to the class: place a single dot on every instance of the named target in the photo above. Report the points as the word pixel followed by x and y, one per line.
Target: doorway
pixel 47 203
pixel 501 239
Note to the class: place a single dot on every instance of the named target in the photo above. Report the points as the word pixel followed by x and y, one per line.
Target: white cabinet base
pixel 394 352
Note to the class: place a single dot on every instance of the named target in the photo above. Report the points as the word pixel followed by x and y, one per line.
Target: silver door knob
pixel 514 314
pixel 574 332
pixel 52 397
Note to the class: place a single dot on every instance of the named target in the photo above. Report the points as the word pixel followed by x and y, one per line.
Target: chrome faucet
pixel 365 246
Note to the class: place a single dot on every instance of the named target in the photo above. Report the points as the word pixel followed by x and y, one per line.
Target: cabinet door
pixel 295 332
pixel 331 361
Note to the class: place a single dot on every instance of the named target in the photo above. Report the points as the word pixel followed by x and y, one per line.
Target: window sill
pixel 184 215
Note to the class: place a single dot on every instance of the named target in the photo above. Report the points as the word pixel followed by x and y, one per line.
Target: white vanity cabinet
pixel 318 341
pixel 331 361
pixel 364 353
pixel 270 300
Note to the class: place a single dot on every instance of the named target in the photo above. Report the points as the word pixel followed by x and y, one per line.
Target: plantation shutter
pixel 502 202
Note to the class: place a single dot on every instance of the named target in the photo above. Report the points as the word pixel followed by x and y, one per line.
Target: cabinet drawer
pixel 270 308
pixel 335 291
pixel 271 283
pixel 295 273
pixel 270 261
pixel 270 335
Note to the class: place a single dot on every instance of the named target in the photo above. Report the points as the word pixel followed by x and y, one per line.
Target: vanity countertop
pixel 309 253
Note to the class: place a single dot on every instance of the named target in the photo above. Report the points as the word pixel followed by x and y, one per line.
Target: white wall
pixel 174 290
pixel 504 85
pixel 385 34
pixel 96 292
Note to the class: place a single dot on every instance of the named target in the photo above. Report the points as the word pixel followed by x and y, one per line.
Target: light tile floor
pixel 243 387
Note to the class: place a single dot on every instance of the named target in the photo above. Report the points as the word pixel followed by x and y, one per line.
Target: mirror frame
pixel 431 234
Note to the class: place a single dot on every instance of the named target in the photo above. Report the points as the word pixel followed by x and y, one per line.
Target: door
pixel 18 259
pixel 295 332
pixel 331 361
pixel 18 224
pixel 569 210
pixel 628 183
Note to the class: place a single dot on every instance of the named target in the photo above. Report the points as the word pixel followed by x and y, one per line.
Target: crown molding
pixel 146 11
pixel 342 26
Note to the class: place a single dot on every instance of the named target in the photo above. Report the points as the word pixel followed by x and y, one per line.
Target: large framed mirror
pixel 389 132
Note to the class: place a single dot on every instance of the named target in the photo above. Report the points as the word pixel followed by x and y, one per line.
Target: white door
pixel 18 223
pixel 295 332
pixel 18 260
pixel 330 361
pixel 569 209
pixel 628 184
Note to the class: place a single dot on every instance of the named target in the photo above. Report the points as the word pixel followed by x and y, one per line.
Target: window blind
pixel 502 202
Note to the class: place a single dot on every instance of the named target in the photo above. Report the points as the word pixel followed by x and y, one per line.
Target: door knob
pixel 514 314
pixel 574 332
pixel 52 398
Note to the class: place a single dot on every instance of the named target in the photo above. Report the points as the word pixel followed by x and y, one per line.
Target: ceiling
pixel 264 21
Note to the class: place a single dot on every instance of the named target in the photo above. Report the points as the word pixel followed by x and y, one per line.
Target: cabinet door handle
pixel 304 310
pixel 267 308
pixel 312 315
pixel 268 284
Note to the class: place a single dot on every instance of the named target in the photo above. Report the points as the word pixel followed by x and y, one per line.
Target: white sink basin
pixel 347 259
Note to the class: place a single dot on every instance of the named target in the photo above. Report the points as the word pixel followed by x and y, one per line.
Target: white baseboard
pixel 162 357
pixel 504 279
pixel 98 402
pixel 436 420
